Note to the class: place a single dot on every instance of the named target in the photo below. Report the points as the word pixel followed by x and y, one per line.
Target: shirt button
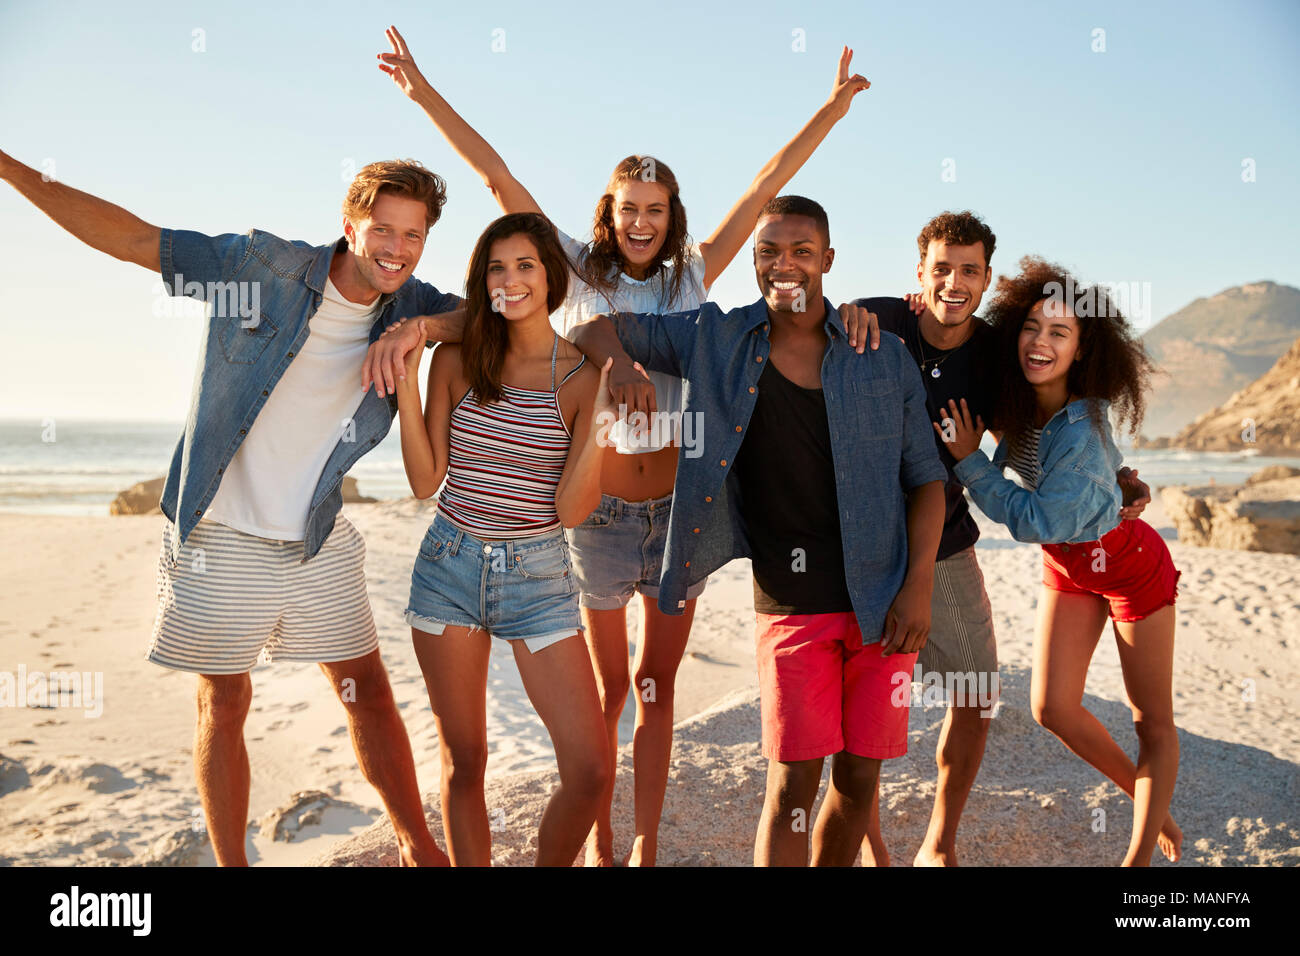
pixel 758 358
pixel 737 428
pixel 697 531
pixel 688 564
pixel 751 390
pixel 265 392
pixel 487 549
pixel 708 498
pixel 723 463
pixel 290 355
pixel 243 431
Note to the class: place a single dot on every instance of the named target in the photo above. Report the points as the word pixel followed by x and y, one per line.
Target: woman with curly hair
pixel 641 259
pixel 1066 357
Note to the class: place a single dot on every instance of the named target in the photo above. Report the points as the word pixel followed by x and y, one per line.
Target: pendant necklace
pixel 920 344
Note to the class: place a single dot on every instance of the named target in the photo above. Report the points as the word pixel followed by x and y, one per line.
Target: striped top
pixel 505 462
pixel 1024 459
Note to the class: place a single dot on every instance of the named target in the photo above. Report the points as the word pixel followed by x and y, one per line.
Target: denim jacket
pixel 261 291
pixel 1077 498
pixel 882 445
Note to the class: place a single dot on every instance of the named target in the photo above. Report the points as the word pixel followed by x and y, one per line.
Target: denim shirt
pixel 261 291
pixel 1077 498
pixel 882 445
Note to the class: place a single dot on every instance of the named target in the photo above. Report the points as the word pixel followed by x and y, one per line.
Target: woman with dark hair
pixel 1066 357
pixel 510 423
pixel 641 259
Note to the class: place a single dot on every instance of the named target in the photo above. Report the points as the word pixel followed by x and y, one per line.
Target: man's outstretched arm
pixel 96 222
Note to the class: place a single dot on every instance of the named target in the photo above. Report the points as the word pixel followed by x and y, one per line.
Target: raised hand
pixel 387 359
pixel 958 432
pixel 847 87
pixel 861 326
pixel 400 65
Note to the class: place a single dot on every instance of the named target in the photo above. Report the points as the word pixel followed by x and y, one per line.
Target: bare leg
pixel 221 762
pixel 455 666
pixel 606 637
pixel 842 821
pixel 658 655
pixel 783 828
pixel 383 750
pixel 1069 626
pixel 960 750
pixel 561 685
pixel 1146 654
pixel 874 851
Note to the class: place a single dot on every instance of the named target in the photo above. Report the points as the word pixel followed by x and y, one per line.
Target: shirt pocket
pixel 243 344
pixel 879 408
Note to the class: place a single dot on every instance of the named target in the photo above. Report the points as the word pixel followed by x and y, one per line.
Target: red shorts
pixel 1130 567
pixel 823 690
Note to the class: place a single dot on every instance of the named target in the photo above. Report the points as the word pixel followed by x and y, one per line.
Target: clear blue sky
pixel 1124 165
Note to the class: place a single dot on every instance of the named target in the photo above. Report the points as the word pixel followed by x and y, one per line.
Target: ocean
pixel 74 467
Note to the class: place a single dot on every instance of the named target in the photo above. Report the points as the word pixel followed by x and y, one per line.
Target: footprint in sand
pixel 279 725
pixel 301 705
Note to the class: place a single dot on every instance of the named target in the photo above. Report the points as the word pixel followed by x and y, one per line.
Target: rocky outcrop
pixel 1214 347
pixel 1261 515
pixel 142 498
pixel 1264 416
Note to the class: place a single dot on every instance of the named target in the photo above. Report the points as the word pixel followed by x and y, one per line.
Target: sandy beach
pixel 110 782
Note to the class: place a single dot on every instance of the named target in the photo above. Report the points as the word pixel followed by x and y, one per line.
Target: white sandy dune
pixel 117 787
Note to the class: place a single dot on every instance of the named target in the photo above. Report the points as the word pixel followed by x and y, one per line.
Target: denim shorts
pixel 518 590
pixel 619 550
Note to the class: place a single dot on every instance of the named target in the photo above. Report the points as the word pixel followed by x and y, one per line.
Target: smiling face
pixel 388 244
pixel 516 279
pixel 790 256
pixel 1048 343
pixel 641 219
pixel 953 278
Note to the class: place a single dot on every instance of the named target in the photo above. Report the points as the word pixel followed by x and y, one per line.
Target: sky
pixel 1154 144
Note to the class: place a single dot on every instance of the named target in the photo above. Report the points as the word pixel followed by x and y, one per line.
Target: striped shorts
pixel 961 654
pixel 234 596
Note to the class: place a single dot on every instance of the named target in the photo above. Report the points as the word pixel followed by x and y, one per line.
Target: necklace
pixel 920 344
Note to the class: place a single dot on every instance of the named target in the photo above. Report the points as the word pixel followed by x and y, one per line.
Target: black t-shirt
pixel 786 479
pixel 964 372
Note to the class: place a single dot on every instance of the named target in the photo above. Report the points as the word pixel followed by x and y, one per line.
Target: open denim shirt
pixel 243 355
pixel 882 445
pixel 1077 498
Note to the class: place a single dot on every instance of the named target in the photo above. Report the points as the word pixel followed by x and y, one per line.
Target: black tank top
pixel 787 497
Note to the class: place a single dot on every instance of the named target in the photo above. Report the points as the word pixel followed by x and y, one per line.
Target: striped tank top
pixel 505 461
pixel 1023 458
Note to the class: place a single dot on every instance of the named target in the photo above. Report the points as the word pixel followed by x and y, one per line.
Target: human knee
pixel 588 776
pixel 1053 715
pixel 1156 732
pixel 464 763
pixel 223 702
pixel 855 776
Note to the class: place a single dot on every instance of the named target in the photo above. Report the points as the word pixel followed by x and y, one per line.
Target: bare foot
pixel 641 854
pixel 927 856
pixel 1170 840
pixel 428 855
pixel 874 855
pixel 598 855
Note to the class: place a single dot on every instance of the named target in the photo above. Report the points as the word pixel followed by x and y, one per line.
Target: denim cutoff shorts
pixel 619 550
pixel 518 590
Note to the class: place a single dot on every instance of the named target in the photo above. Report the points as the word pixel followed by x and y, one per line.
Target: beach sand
pixel 117 787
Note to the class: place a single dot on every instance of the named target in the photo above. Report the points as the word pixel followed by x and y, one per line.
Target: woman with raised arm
pixel 641 259
pixel 510 423
pixel 1063 367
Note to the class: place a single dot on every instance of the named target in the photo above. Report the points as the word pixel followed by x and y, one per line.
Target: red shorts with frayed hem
pixel 1130 567
pixel 823 690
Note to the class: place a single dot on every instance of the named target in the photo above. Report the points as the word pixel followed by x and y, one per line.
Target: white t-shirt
pixel 644 296
pixel 267 487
